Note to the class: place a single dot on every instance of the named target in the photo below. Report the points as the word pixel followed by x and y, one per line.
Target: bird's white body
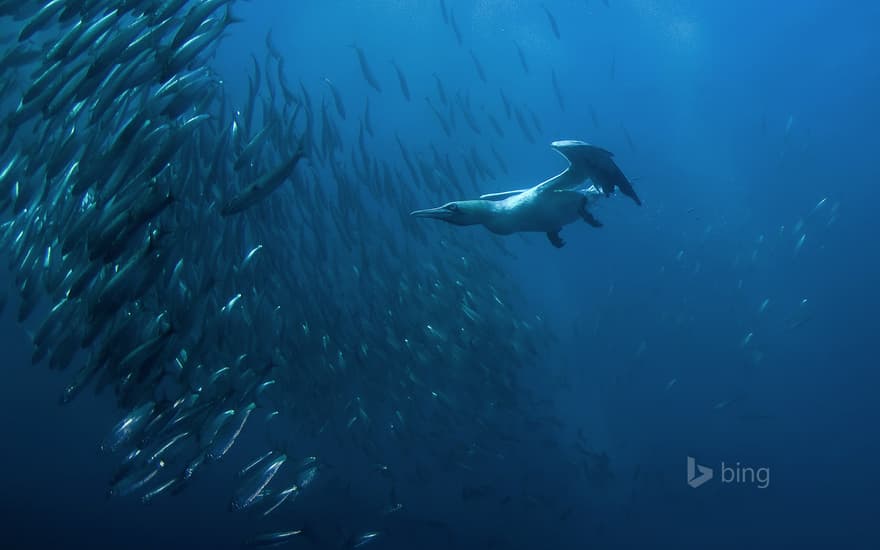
pixel 532 210
pixel 548 206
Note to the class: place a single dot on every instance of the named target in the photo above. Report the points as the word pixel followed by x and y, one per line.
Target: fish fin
pixel 230 18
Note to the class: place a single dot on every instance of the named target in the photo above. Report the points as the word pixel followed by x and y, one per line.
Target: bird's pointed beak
pixel 435 213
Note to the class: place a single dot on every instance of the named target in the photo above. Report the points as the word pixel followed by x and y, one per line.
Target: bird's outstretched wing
pixel 501 196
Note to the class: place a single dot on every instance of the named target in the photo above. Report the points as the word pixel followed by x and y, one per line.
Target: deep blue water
pixel 743 117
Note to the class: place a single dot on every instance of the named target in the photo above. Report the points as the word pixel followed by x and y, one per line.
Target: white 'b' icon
pixel 693 479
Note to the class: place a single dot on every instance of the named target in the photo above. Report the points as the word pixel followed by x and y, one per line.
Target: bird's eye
pixel 453 207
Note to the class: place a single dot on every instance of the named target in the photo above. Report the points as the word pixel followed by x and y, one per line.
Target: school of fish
pixel 223 268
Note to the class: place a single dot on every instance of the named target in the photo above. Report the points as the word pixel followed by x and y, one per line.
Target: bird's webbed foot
pixel 555 239
pixel 590 219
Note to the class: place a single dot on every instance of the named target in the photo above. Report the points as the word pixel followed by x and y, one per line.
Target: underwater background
pixel 732 318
